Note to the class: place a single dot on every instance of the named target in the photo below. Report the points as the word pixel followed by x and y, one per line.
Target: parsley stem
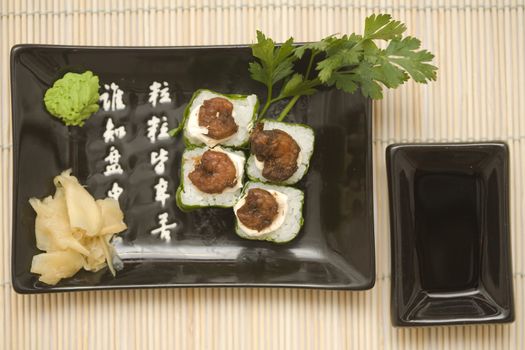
pixel 269 101
pixel 310 64
pixel 294 100
pixel 288 107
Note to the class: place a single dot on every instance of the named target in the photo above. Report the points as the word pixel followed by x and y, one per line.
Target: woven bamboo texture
pixel 479 95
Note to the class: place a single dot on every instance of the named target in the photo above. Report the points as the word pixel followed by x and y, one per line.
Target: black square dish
pixel 449 216
pixel 335 248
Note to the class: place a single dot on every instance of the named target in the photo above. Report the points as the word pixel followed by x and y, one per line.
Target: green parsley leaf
pixel 390 75
pixel 315 47
pixel 404 53
pixel 298 86
pixel 367 76
pixel 349 62
pixel 355 60
pixel 275 63
pixel 346 82
pixel 340 52
pixel 383 27
pixel 340 58
pixel 363 75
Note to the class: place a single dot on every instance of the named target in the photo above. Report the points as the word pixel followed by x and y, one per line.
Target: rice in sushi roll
pixel 269 212
pixel 212 118
pixel 281 152
pixel 210 177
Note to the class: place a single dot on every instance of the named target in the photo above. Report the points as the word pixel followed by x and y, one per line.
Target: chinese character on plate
pixel 111 132
pixel 112 98
pixel 161 191
pixel 157 129
pixel 113 159
pixel 115 191
pixel 164 228
pixel 158 160
pixel 159 92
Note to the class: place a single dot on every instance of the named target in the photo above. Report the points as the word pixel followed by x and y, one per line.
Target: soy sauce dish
pixel 449 215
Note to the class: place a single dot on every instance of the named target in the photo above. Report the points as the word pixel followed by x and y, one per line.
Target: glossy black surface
pixel 449 218
pixel 335 248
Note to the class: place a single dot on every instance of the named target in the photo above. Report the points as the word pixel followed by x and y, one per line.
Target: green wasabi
pixel 73 98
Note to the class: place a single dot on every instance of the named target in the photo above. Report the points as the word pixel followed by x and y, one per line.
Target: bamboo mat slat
pixel 479 95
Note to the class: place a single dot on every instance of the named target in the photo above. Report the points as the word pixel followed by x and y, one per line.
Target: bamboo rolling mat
pixel 479 95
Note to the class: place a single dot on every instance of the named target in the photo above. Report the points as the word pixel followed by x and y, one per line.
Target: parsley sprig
pixel 349 62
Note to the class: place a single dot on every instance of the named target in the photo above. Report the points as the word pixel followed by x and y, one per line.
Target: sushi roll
pixel 269 212
pixel 281 152
pixel 210 177
pixel 212 118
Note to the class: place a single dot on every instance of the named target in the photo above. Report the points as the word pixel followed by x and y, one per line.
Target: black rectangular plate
pixel 334 250
pixel 449 217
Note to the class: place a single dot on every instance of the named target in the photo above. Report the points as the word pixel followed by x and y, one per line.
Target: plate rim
pixel 368 280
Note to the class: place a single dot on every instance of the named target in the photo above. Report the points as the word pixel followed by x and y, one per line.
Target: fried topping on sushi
pixel 214 172
pixel 259 209
pixel 278 150
pixel 216 115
